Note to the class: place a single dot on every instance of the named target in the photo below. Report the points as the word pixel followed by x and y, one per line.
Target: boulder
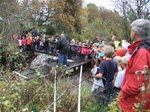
pixel 41 60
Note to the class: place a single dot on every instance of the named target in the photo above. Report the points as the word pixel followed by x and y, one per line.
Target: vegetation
pixel 130 11
pixel 97 21
pixel 55 16
pixel 145 89
pixel 18 94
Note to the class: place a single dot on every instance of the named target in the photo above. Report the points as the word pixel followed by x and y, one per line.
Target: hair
pixel 125 59
pixel 57 35
pixel 112 44
pixel 73 40
pixel 117 59
pixel 141 27
pixel 108 51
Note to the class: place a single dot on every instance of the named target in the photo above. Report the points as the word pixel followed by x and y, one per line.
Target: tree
pixel 131 10
pixel 134 9
pixel 7 14
pixel 18 15
pixel 92 12
pixel 15 16
pixel 66 15
pixel 103 22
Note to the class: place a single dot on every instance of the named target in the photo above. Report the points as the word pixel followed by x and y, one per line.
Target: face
pixel 132 35
pixel 113 38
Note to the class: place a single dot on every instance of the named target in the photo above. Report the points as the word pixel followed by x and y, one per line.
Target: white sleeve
pixel 119 79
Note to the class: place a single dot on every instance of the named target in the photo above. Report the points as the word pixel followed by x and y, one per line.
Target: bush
pixel 11 57
pixel 37 94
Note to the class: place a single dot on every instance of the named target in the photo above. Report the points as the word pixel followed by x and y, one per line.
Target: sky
pixel 109 4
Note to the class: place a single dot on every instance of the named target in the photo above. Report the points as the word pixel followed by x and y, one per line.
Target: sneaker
pixel 67 65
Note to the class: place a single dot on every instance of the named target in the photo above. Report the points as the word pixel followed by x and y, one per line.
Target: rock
pixel 44 70
pixel 44 63
pixel 28 72
pixel 40 60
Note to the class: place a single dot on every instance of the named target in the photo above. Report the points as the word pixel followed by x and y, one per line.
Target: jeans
pixel 62 59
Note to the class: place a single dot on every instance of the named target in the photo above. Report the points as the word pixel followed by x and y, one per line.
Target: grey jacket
pixel 62 45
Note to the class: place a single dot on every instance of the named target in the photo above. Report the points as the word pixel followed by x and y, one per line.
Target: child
pixel 97 83
pixel 118 60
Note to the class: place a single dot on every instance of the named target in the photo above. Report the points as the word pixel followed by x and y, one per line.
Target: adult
pixel 115 41
pixel 63 46
pixel 98 39
pixel 140 52
pixel 125 44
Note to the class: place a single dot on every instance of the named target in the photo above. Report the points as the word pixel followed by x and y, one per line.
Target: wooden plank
pixel 78 64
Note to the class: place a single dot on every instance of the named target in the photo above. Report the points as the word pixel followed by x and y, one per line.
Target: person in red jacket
pixel 140 56
pixel 24 42
pixel 29 42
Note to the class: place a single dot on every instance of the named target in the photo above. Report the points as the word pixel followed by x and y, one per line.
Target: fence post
pixel 79 94
pixel 55 91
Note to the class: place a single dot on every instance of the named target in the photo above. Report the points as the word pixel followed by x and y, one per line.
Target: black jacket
pixel 62 45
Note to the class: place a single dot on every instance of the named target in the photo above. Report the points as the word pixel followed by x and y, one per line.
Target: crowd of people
pixel 114 63
pixel 116 72
pixel 58 45
pixel 109 60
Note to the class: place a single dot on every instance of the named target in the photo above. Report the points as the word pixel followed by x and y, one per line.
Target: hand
pixel 93 76
pixel 120 97
pixel 89 76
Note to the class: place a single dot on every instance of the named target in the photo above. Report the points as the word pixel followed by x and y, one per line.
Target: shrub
pixel 18 94
pixel 12 57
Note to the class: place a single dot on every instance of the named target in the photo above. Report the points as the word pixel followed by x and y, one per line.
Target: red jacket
pixel 24 42
pixel 130 89
pixel 29 41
